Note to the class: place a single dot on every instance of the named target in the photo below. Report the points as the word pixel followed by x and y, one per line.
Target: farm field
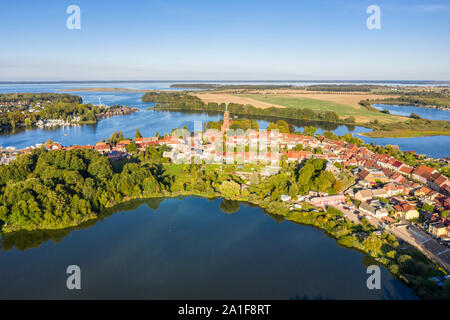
pixel 343 110
pixel 344 105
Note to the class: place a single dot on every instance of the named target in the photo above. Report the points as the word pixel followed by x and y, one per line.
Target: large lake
pixel 189 249
pixel 150 121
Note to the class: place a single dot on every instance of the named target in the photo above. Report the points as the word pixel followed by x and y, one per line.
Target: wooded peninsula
pixel 31 109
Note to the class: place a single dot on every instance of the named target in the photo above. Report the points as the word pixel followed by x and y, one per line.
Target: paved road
pixel 425 243
pixel 350 214
pixel 416 237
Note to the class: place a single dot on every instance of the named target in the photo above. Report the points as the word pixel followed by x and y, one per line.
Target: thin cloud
pixel 431 7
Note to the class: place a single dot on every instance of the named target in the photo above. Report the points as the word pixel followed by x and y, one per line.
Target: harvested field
pixel 224 97
pixel 344 104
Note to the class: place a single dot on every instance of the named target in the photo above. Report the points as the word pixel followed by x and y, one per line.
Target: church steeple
pixel 226 121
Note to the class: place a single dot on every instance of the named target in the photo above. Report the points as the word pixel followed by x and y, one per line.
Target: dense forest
pixel 57 189
pixel 425 93
pixel 343 88
pixel 33 98
pixel 52 190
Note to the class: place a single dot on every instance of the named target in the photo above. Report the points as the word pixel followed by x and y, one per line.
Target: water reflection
pixel 188 249
pixel 426 113
pixel 23 240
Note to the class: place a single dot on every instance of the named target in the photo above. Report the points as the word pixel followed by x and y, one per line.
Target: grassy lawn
pixel 342 110
pixel 177 169
pixel 346 182
pixel 173 168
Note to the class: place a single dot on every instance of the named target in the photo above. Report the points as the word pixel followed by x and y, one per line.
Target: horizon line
pixel 231 80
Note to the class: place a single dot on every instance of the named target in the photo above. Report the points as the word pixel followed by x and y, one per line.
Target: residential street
pixel 410 234
pixel 424 242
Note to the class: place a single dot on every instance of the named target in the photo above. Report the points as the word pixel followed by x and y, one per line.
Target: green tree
pixel 229 206
pixel 293 190
pixel 90 116
pixel 373 244
pixel 137 134
pixel 428 207
pixel 229 189
pixel 309 131
pixel 101 168
pixel 132 148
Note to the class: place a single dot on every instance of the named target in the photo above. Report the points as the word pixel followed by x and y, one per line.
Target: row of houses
pixel 401 209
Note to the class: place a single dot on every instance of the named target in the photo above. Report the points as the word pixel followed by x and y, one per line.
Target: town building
pixel 328 200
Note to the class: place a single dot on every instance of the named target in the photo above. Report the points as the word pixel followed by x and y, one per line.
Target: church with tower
pixel 226 121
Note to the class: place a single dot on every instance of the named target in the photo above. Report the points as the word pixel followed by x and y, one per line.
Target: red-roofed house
pixel 54 146
pixel 406 170
pixel 102 147
pixel 406 211
pixel 439 182
pixel 298 155
pixel 423 173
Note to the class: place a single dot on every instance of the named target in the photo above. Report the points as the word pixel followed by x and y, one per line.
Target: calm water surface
pixel 426 113
pixel 189 249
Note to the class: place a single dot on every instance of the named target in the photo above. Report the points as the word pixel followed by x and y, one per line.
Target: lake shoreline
pixel 148 211
pixel 403 134
pixel 372 134
pixel 293 216
pixel 111 90
pixel 405 104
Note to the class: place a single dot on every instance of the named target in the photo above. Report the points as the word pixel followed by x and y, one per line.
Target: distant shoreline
pixel 404 133
pixel 406 104
pixel 404 82
pixel 111 89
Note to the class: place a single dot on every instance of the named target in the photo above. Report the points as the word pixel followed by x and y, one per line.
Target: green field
pixel 405 133
pixel 342 110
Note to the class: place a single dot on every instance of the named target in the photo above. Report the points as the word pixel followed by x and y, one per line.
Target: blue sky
pixel 225 40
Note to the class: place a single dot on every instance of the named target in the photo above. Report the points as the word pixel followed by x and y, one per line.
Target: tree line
pixel 33 98
pixel 184 101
